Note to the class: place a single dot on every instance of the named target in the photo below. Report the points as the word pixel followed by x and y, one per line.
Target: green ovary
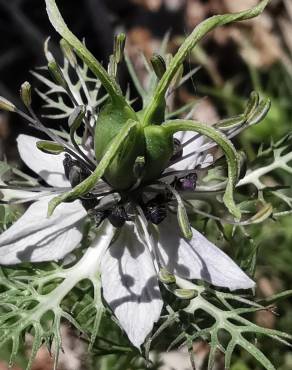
pixel 150 142
pixel 159 150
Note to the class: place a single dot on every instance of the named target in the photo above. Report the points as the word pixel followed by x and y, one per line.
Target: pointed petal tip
pixel 199 259
pixel 130 285
pixel 245 283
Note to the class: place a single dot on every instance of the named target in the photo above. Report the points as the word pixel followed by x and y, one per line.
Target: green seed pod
pixel 159 150
pixel 25 94
pixel 50 147
pixel 109 123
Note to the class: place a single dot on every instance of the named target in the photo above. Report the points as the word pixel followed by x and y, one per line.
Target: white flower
pixel 129 267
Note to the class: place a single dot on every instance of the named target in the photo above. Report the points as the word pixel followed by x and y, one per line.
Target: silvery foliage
pixel 36 297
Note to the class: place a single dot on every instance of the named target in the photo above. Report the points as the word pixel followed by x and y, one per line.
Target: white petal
pixel 49 167
pixel 36 238
pixel 8 195
pixel 198 258
pixel 130 284
pixel 202 159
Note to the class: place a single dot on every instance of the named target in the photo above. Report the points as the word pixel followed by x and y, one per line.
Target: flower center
pixel 119 206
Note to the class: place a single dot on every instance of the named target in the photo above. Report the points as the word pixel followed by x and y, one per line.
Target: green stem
pixel 198 33
pixel 171 127
pixel 60 26
pixel 88 184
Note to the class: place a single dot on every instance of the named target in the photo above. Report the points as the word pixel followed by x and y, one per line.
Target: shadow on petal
pixel 130 284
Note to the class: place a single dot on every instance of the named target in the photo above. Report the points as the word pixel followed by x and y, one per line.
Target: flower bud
pixel 183 221
pixel 68 52
pixel 50 147
pixel 166 277
pixel 25 94
pixel 76 117
pixel 185 293
pixel 6 105
pixel 119 46
pixel 57 74
pixel 158 65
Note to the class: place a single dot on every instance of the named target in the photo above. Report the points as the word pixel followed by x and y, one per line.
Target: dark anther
pixel 76 172
pixel 98 216
pixel 177 150
pixel 186 183
pixel 155 210
pixel 118 216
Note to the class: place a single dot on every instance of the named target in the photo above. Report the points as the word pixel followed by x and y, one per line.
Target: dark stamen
pixel 177 150
pixel 118 216
pixel 155 210
pixel 187 183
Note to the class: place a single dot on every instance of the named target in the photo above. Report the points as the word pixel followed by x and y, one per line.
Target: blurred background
pixel 234 60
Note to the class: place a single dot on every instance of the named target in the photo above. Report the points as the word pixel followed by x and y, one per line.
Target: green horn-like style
pixel 198 33
pixel 60 26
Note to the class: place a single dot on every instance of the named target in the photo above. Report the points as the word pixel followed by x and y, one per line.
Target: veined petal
pixel 198 258
pixel 130 284
pixel 49 167
pixel 36 238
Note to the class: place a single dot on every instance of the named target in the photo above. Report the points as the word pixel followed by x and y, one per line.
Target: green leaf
pixel 230 320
